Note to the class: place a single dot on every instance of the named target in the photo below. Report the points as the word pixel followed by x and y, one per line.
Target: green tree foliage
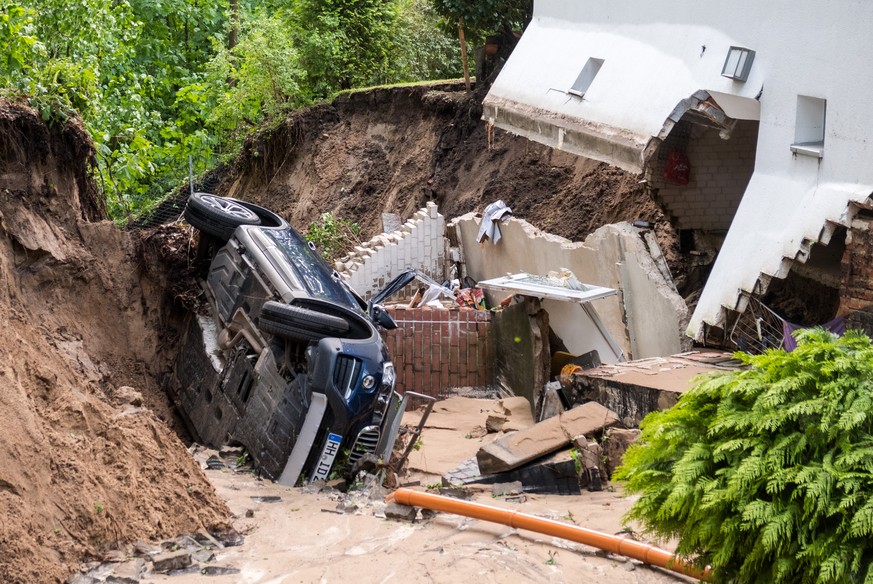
pixel 155 80
pixel 265 80
pixel 483 17
pixel 423 50
pixel 345 43
pixel 766 474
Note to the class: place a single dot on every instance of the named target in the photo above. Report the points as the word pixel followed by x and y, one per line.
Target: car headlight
pixel 389 377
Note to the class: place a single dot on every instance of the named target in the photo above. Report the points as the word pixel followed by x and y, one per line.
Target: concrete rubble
pixel 518 448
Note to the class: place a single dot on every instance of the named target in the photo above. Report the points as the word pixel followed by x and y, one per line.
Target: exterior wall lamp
pixel 738 63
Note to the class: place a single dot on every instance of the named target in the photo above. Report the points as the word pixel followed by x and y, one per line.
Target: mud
pixel 82 469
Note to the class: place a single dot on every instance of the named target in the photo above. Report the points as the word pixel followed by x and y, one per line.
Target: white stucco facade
pixel 656 55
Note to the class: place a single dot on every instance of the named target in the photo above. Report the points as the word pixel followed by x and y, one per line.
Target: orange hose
pixel 647 554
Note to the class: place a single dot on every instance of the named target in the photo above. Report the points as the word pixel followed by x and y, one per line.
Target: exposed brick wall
pixel 856 278
pixel 434 350
pixel 720 172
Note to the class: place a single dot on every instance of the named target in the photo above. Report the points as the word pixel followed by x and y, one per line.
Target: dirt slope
pixel 392 150
pixel 82 468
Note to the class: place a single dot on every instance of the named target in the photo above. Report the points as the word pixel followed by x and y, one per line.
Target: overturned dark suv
pixel 288 362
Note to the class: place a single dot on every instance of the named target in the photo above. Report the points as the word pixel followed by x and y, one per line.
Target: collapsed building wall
pixel 417 244
pixel 647 317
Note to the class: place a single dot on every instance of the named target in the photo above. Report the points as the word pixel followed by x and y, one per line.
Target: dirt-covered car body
pixel 287 362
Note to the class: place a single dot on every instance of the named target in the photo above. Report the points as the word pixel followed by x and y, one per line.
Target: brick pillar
pixel 856 278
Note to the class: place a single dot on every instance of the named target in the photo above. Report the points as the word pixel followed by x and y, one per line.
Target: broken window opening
pixel 809 128
pixel 586 77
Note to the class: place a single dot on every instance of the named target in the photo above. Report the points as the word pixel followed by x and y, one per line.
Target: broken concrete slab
pixel 592 473
pixel 647 320
pixel 635 388
pixel 218 571
pixel 518 448
pixel 521 342
pixel 551 475
pixel 128 572
pixel 551 404
pixel 506 489
pixel 171 561
pixel 400 512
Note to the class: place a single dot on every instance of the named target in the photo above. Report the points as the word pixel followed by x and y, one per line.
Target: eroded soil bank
pixel 91 460
pixel 392 150
pixel 88 460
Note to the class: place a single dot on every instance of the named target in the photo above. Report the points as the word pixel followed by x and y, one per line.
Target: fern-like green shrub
pixel 766 474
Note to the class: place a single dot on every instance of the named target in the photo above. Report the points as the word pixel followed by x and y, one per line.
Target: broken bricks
pixel 591 469
pixel 518 448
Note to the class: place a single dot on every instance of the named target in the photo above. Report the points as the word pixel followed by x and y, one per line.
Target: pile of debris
pixel 570 451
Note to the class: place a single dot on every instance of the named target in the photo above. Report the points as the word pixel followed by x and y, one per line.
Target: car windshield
pixel 314 272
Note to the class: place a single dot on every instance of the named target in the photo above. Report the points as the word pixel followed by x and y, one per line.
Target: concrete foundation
pixel 637 388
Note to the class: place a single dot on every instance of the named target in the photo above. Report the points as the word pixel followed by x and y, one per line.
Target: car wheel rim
pixel 231 208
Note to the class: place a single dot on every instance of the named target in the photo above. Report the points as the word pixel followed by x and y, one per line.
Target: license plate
pixel 325 462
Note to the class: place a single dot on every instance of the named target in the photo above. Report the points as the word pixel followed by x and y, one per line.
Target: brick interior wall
pixel 434 350
pixel 856 278
pixel 720 172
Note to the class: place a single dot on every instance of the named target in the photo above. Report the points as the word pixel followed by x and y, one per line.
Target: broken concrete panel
pixel 592 473
pixel 521 349
pixel 128 572
pixel 400 512
pixel 543 438
pixel 554 474
pixel 658 314
pixel 551 404
pixel 506 489
pixel 644 316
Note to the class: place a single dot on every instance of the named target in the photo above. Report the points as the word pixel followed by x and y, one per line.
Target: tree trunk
pixel 234 24
pixel 464 53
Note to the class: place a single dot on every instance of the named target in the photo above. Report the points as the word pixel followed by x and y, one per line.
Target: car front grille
pixel 365 443
pixel 346 373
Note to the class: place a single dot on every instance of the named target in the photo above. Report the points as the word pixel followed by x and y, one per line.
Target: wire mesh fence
pixel 168 211
pixel 757 328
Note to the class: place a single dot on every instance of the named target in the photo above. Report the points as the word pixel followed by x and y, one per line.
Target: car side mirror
pixel 381 316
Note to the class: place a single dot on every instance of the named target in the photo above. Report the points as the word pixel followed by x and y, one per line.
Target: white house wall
pixel 659 53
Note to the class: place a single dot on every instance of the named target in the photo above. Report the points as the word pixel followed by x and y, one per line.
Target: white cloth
pixel 496 211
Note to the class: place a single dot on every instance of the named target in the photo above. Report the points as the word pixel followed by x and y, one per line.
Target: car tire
pixel 218 216
pixel 301 324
